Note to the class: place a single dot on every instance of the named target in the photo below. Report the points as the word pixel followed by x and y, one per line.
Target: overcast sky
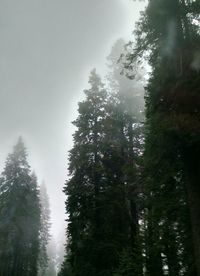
pixel 47 50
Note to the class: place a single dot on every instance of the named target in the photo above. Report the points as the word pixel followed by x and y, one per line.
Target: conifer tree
pixel 85 186
pixel 19 216
pixel 128 117
pixel 44 230
pixel 52 260
pixel 102 206
pixel 168 35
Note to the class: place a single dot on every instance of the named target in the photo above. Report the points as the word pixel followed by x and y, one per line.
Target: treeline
pixel 133 192
pixel 24 218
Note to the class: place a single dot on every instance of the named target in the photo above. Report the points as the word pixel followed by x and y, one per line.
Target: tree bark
pixel 193 191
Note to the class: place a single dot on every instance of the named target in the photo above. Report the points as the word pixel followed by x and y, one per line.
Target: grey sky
pixel 47 49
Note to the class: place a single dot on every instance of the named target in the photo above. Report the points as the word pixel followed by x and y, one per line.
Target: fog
pixel 47 50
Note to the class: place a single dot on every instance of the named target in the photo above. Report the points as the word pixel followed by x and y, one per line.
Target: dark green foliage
pixel 103 216
pixel 19 216
pixel 168 36
pixel 129 213
pixel 129 264
pixel 85 188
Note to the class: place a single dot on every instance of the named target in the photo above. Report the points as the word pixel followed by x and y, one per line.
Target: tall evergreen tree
pixel 85 186
pixel 168 34
pixel 102 198
pixel 19 216
pixel 128 117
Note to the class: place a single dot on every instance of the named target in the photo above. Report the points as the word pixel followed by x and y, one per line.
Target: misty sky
pixel 47 50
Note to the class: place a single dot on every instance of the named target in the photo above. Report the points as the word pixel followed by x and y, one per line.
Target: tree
pixel 20 216
pixel 85 186
pixel 127 104
pixel 52 262
pixel 168 36
pixel 102 193
pixel 60 247
pixel 44 230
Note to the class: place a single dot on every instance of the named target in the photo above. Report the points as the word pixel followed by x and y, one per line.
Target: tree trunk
pixel 193 191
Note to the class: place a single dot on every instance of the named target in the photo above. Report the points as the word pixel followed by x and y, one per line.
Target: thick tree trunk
pixel 193 191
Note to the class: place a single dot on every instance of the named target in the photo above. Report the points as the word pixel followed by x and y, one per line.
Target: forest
pixel 133 186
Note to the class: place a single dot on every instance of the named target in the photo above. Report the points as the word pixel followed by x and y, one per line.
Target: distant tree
pixel 44 230
pixel 19 216
pixel 60 247
pixel 52 260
